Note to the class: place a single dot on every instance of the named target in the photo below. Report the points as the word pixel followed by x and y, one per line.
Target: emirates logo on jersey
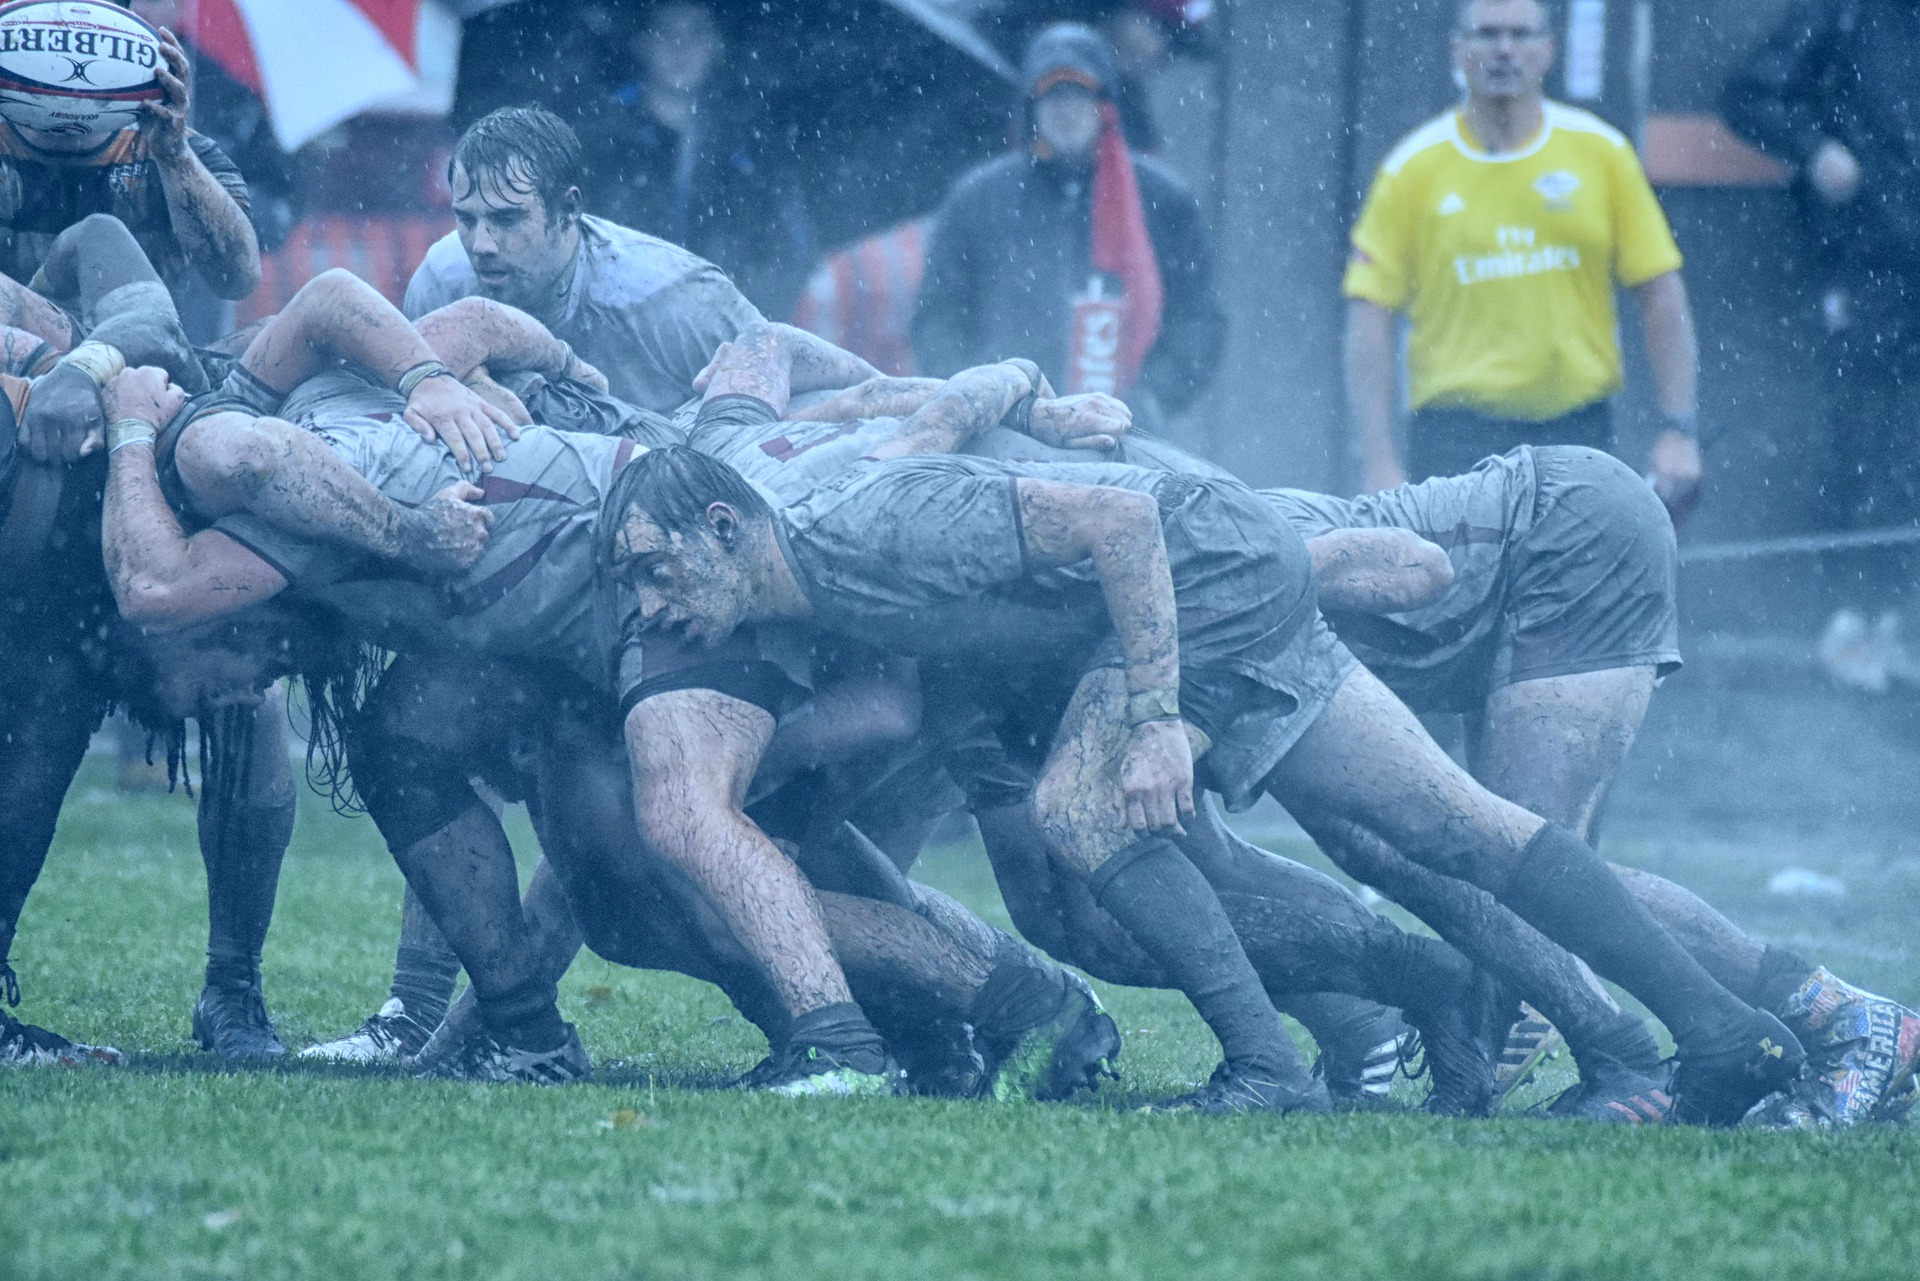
pixel 1557 189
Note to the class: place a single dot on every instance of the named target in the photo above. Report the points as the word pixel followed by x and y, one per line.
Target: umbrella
pixel 317 62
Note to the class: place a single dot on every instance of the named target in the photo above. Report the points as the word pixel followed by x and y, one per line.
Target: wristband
pixel 566 358
pixel 129 431
pixel 1020 417
pixel 97 360
pixel 412 379
pixel 1153 705
pixel 1686 424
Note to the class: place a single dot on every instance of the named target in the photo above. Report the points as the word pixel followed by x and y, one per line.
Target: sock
pixel 424 966
pixel 1171 911
pixel 525 1017
pixel 1020 994
pixel 841 1033
pixel 242 846
pixel 1564 890
pixel 1782 974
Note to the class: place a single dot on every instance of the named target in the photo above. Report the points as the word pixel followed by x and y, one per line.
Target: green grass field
pixel 171 1167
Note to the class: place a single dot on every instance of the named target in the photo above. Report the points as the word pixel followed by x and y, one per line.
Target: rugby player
pixel 59 625
pixel 162 577
pixel 952 556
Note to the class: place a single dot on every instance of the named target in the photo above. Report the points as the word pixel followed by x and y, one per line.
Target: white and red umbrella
pixel 317 62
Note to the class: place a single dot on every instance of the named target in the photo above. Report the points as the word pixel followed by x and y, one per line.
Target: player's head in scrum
pixel 516 178
pixel 694 542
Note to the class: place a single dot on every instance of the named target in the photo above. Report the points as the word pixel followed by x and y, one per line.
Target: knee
pixel 96 231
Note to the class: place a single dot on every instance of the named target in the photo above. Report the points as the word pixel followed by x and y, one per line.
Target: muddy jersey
pixel 530 594
pixel 648 314
pixel 925 557
pixel 1476 519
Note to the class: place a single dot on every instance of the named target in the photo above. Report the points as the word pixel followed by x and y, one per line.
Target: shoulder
pixel 628 267
pixel 1440 132
pixel 985 181
pixel 1583 125
pixel 443 276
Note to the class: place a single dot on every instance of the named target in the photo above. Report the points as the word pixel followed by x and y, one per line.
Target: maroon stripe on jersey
pixel 623 455
pixel 489 590
pixel 784 449
pixel 498 489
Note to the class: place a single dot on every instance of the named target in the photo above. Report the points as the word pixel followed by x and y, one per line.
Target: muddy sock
pixel 841 1033
pixel 1565 891
pixel 242 846
pixel 1782 973
pixel 525 1017
pixel 1172 913
pixel 424 966
pixel 1022 992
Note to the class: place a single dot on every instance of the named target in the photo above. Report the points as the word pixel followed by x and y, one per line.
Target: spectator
pixel 1075 253
pixel 1828 93
pixel 176 190
pixel 1500 228
pixel 683 151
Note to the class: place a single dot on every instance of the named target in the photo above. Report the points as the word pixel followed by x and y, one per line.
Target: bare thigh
pixel 1553 745
pixel 1367 761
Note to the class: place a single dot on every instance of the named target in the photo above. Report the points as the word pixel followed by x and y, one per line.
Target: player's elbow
pixel 146 600
pixel 1429 572
pixel 239 277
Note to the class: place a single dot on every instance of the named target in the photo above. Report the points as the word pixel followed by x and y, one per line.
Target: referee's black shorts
pixel 1447 442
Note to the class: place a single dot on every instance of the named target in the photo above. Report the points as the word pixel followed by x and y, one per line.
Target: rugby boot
pixel 233 1024
pixel 1719 1088
pixel 1610 1091
pixel 940 1061
pixel 24 1045
pixel 1531 1041
pixel 1228 1093
pixel 482 1058
pixel 1863 1048
pixel 807 1071
pixel 387 1037
pixel 1360 1064
pixel 1063 1056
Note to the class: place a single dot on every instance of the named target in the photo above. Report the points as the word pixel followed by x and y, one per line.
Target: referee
pixel 1500 228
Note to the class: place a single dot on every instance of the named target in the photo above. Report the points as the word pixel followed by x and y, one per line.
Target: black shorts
pixel 1447 442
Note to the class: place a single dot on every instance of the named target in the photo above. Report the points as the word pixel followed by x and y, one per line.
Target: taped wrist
pixel 96 360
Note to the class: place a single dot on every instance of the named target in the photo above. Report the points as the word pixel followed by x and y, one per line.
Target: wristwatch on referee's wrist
pixel 1687 425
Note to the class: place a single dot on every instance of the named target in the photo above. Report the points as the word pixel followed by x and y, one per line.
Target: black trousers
pixel 1446 442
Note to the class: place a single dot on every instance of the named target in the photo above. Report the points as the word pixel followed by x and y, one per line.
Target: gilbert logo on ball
pixel 75 66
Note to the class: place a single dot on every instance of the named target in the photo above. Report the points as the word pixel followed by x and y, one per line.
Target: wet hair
pixel 522 149
pixel 1463 10
pixel 674 486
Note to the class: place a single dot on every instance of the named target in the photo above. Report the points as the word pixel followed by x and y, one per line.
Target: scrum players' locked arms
pixel 1070 834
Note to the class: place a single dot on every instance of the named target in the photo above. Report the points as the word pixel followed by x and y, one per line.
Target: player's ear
pixel 725 523
pixel 572 205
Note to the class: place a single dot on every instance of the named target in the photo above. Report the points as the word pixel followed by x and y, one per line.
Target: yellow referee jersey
pixel 1505 264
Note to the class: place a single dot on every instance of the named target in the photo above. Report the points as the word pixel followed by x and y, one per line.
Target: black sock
pixel 1020 994
pixel 841 1032
pixel 242 846
pixel 1781 974
pixel 424 966
pixel 1565 891
pixel 1163 901
pixel 525 1017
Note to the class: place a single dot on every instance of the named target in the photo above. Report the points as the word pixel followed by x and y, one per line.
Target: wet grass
pixel 170 1167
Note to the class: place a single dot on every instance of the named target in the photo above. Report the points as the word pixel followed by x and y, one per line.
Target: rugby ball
pixel 76 67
